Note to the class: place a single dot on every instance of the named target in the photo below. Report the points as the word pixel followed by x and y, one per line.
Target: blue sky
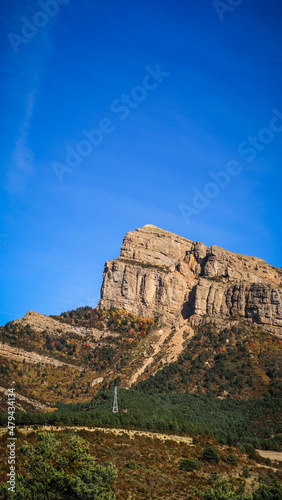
pixel 222 82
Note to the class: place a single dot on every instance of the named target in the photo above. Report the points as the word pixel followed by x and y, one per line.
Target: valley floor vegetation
pixel 98 466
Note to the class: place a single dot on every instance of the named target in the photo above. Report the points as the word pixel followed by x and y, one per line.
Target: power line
pixel 115 405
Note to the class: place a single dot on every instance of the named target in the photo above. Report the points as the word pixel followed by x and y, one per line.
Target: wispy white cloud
pixel 28 67
pixel 22 158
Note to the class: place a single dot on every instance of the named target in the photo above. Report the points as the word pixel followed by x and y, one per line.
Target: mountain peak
pixel 161 273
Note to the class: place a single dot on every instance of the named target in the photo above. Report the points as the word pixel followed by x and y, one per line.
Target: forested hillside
pixel 63 363
pixel 231 421
pixel 92 350
pixel 223 389
pixel 240 361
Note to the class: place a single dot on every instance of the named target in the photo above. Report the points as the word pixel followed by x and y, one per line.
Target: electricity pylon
pixel 115 405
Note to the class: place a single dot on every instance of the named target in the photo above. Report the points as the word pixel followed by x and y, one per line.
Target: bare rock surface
pixel 41 322
pixel 159 272
pixel 33 358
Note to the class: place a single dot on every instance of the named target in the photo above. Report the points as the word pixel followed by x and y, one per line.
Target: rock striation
pixel 159 272
pixel 33 358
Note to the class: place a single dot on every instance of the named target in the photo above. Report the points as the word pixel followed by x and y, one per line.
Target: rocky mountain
pixel 174 315
pixel 181 329
pixel 159 272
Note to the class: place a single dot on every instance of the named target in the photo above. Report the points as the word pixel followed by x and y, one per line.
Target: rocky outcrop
pixel 41 323
pixel 30 357
pixel 96 381
pixel 159 272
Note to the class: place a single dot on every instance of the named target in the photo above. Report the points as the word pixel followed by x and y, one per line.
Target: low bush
pixel 231 459
pixel 189 464
pixel 210 455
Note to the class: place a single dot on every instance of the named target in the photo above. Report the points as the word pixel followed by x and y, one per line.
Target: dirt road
pixel 131 433
pixel 273 455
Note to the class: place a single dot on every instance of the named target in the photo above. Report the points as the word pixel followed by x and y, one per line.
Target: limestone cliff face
pixel 159 272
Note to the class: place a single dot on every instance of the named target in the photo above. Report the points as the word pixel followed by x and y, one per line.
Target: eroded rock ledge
pixel 159 272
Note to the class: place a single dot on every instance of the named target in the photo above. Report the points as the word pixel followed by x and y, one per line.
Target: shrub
pixel 222 491
pixel 248 448
pixel 210 455
pixel 266 493
pixel 131 465
pixel 189 464
pixel 245 472
pixel 231 459
pixel 63 467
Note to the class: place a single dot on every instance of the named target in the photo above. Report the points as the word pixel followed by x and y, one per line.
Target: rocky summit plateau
pixel 183 281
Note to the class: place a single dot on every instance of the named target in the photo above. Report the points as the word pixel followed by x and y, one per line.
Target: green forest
pixel 229 420
pixel 223 391
pixel 240 361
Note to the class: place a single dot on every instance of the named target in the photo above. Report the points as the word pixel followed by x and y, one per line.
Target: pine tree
pixel 59 466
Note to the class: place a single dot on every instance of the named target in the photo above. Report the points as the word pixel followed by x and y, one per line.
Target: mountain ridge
pixel 159 272
pixel 166 303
